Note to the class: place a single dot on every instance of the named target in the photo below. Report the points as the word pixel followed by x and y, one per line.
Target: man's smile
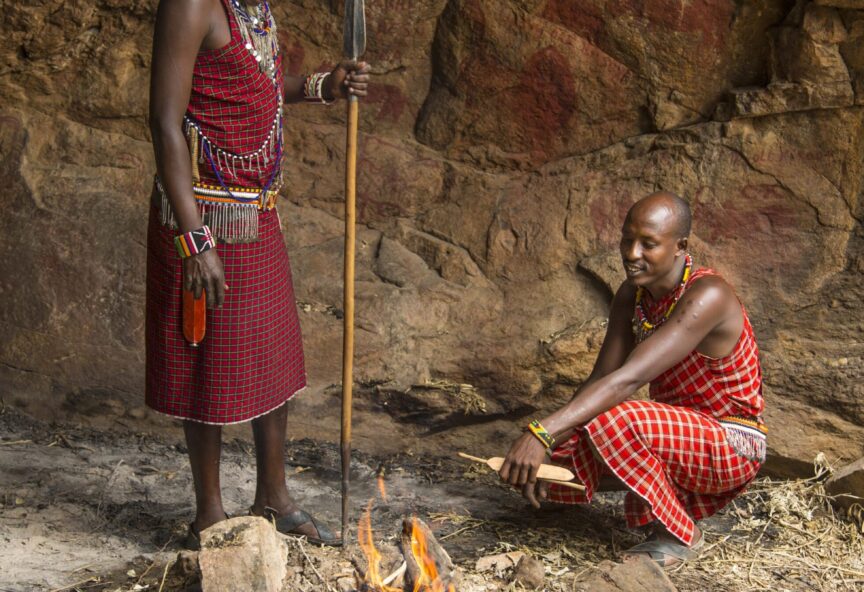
pixel 632 269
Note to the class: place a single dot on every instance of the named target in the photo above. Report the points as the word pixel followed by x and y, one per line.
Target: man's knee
pixel 626 413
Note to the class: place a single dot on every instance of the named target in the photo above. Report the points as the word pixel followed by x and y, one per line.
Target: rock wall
pixel 501 146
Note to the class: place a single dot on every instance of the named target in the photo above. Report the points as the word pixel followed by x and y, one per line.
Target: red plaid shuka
pixel 251 359
pixel 235 106
pixel 678 460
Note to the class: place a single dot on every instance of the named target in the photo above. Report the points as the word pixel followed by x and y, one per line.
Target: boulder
pixel 246 549
pixel 640 575
pixel 501 145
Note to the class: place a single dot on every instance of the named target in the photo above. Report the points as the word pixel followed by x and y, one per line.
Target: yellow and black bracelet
pixel 542 434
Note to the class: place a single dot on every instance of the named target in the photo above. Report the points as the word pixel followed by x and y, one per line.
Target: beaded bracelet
pixel 194 242
pixel 542 434
pixel 313 88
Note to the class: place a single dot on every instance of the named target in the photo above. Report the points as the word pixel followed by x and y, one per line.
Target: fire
pixel 381 489
pixel 428 580
pixel 373 556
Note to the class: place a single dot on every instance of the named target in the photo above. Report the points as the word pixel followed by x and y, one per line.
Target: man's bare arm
pixel 619 342
pixel 181 28
pixel 617 345
pixel 708 306
pixel 347 78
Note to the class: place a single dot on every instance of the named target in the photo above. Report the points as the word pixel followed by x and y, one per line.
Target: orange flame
pixel 373 556
pixel 428 580
pixel 381 489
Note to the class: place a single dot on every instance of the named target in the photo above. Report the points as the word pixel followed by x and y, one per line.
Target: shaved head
pixel 654 241
pixel 666 209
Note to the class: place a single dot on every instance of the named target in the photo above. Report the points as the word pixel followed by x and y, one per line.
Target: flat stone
pixel 785 97
pixel 245 549
pixel 640 575
pixel 499 562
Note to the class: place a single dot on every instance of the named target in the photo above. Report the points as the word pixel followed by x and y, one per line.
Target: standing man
pixel 696 444
pixel 216 97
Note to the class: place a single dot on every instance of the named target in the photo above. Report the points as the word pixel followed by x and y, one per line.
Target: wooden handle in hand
pixel 545 472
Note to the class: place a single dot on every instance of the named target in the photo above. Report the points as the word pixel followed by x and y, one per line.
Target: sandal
pixel 660 551
pixel 289 523
pixel 192 542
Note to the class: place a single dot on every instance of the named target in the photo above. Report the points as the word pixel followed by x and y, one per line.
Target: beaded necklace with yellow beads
pixel 642 327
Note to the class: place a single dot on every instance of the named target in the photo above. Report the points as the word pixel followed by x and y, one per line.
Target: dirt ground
pixel 106 509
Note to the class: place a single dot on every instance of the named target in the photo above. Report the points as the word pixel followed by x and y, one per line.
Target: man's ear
pixel 682 246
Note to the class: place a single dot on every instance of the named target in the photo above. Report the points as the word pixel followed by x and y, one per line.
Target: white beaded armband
pixel 313 89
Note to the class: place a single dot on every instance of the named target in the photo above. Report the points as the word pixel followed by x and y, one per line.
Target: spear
pixel 355 46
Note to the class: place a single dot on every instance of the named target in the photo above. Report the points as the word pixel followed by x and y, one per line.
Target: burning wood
pixel 426 567
pixel 429 567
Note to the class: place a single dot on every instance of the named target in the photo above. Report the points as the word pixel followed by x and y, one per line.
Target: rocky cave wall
pixel 501 145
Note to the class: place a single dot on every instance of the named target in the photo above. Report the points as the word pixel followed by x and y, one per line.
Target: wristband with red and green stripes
pixel 194 242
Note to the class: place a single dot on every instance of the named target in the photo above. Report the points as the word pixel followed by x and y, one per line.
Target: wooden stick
pixel 348 334
pixel 550 473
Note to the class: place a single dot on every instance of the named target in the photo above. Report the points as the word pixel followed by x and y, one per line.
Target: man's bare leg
pixel 271 490
pixel 611 483
pixel 205 447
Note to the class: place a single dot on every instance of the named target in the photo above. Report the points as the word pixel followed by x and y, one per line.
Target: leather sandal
pixel 288 524
pixel 192 542
pixel 660 551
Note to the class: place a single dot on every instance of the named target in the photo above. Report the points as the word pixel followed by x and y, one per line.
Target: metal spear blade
pixel 355 29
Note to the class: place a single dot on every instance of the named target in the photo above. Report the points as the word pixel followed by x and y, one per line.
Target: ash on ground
pixel 107 510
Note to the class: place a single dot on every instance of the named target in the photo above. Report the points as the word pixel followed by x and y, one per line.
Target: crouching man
pixel 700 440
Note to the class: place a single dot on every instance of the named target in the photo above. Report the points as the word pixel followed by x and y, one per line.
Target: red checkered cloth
pixel 235 105
pixel 672 452
pixel 251 359
pixel 717 387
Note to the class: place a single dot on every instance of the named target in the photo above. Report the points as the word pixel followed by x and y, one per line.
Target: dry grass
pixel 469 399
pixel 780 535
pixel 808 543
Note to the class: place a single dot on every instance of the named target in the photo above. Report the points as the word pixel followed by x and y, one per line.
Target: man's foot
pixel 204 520
pixel 665 550
pixel 193 533
pixel 296 522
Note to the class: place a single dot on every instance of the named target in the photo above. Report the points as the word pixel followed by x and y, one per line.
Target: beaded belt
pixel 747 435
pixel 231 214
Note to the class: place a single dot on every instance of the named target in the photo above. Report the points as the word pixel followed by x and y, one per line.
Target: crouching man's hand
pixel 521 465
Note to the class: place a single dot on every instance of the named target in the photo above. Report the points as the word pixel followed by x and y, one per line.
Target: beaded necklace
pixel 258 30
pixel 231 204
pixel 642 327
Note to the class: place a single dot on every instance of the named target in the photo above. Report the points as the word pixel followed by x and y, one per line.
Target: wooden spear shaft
pixel 348 333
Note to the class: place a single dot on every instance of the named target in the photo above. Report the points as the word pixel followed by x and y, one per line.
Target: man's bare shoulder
pixel 187 10
pixel 188 5
pixel 626 294
pixel 713 294
pixel 624 301
pixel 713 285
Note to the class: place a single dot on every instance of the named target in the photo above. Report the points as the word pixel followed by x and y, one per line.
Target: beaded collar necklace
pixel 642 327
pixel 259 33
